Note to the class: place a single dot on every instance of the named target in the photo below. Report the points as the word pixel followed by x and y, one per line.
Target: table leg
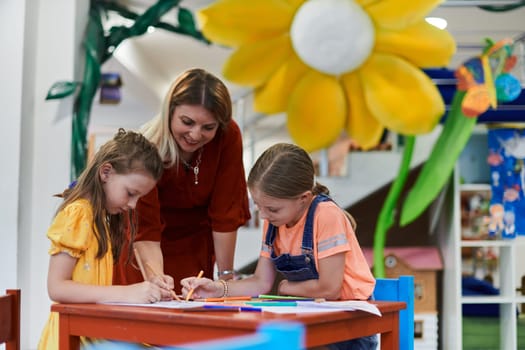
pixel 390 340
pixel 66 341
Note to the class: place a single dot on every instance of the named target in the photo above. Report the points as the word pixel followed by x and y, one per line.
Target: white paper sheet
pixel 296 309
pixel 345 305
pixel 168 304
pixel 302 306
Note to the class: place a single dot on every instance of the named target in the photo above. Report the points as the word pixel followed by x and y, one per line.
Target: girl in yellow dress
pixel 88 230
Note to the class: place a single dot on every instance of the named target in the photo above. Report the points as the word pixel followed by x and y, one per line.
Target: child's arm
pixel 63 289
pixel 329 284
pixel 260 283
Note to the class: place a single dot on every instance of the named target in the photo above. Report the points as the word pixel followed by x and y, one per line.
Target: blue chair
pixel 400 289
pixel 272 335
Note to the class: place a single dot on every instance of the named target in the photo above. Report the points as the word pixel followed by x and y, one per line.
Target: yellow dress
pixel 72 232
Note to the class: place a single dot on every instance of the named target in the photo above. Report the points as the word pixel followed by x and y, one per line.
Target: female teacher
pixel 189 221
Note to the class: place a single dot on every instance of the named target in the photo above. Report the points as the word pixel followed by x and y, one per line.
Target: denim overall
pixel 298 268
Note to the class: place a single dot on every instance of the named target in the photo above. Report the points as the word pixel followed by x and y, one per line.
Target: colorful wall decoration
pixel 507 176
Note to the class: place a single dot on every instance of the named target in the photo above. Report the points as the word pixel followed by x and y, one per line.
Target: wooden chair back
pixel 10 319
pixel 399 289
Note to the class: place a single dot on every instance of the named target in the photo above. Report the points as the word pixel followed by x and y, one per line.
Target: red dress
pixel 182 215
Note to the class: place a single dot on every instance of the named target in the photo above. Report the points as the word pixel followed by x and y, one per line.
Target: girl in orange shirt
pixel 308 239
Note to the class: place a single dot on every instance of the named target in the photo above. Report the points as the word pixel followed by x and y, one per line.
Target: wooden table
pixel 162 326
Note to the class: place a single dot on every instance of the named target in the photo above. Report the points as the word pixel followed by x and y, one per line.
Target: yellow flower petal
pixel 361 125
pixel 365 3
pixel 295 3
pixel 273 96
pixel 397 14
pixel 236 22
pixel 252 64
pixel 317 110
pixel 400 96
pixel 422 44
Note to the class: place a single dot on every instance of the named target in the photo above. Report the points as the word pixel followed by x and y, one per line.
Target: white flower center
pixel 332 36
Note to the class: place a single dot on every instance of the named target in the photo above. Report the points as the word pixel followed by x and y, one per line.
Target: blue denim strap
pixel 308 241
pixel 270 235
pixel 308 234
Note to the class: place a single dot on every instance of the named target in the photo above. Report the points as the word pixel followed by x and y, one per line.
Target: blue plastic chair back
pixel 399 289
pixel 272 335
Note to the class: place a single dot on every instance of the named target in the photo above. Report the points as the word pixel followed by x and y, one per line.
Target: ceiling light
pixel 438 22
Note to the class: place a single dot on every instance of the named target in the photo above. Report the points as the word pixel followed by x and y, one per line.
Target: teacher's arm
pixel 224 243
pixel 150 254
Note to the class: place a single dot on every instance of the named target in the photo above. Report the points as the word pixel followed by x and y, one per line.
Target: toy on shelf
pixel 475 215
pixel 481 263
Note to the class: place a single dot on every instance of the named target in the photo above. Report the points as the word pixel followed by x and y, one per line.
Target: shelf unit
pixel 510 267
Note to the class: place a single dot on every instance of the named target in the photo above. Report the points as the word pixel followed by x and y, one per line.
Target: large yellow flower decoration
pixel 335 65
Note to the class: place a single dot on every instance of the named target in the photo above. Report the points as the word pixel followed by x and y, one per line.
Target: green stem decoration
pixel 440 164
pixel 434 174
pixel 503 8
pixel 99 47
pixel 476 76
pixel 82 108
pixel 386 216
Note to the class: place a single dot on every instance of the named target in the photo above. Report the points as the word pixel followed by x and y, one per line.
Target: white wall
pixel 11 39
pixel 39 46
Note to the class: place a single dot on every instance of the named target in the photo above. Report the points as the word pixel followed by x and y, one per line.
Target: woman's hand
pixel 166 283
pixel 202 287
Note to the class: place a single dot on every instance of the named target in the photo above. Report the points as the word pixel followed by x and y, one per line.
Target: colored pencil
pixel 285 297
pixel 139 262
pixel 193 289
pixel 271 303
pixel 232 308
pixel 225 299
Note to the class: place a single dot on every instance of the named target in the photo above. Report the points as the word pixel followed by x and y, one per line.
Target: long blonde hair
pixel 195 87
pixel 128 152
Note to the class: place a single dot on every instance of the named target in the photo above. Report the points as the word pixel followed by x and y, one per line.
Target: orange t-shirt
pixel 332 234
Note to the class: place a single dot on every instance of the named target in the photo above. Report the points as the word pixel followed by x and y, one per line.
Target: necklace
pixel 195 168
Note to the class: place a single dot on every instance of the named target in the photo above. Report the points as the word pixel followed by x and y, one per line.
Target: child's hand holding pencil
pixel 200 287
pixel 193 289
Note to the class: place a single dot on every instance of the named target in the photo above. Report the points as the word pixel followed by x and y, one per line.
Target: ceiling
pixel 150 62
pixel 470 25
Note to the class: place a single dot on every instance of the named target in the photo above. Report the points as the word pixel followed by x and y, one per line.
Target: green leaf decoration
pixel 62 89
pixel 186 21
pixel 503 7
pixel 99 46
pixel 439 166
pixel 387 215
pixel 94 44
